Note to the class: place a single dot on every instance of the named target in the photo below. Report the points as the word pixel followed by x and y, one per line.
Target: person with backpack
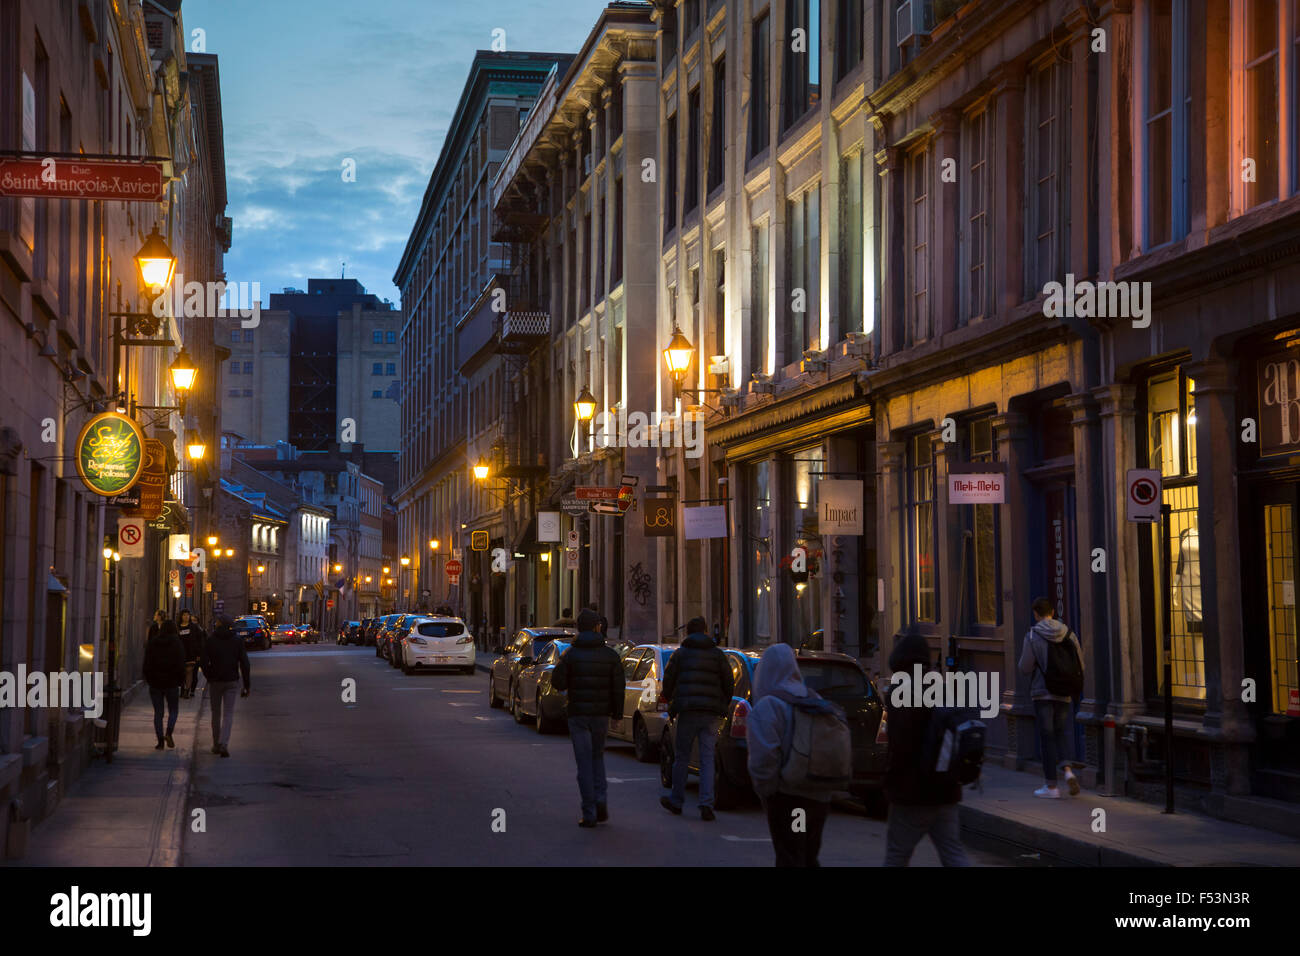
pixel 698 685
pixel 164 672
pixel 1051 656
pixel 591 675
pixel 922 799
pixel 192 636
pixel 799 754
pixel 224 663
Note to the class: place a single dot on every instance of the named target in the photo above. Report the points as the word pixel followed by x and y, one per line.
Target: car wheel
pixel 516 709
pixel 494 701
pixel 470 670
pixel 266 643
pixel 666 760
pixel 543 726
pixel 725 795
pixel 408 670
pixel 643 747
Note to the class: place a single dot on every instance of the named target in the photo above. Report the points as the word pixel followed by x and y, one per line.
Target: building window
pixel 616 263
pixel 248 368
pixel 803 591
pixel 759 322
pixel 669 37
pixel 390 337
pixel 248 393
pixel 390 369
pixel 234 366
pixel 377 337
pixel 975 207
pixel 851 305
pixel 758 547
pixel 692 198
pixel 920 528
pixel 1171 431
pixel 848 37
pixel 670 178
pixel 760 83
pixel 720 302
pixel 234 335
pixel 803 253
pixel 248 335
pixel 1168 107
pixel 918 243
pixel 377 394
pixel 232 393
pixel 718 126
pixel 985 558
pixel 802 60
pixel 1258 51
pixel 1279 549
pixel 377 368
pixel 1048 181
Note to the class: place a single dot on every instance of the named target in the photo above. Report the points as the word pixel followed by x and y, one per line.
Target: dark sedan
pixel 529 644
pixel 534 696
pixel 837 677
pixel 253 631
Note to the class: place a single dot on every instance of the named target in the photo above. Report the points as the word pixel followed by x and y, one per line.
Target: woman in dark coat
pixel 192 636
pixel 164 670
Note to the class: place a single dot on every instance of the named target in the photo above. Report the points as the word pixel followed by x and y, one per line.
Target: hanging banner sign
pixel 110 454
pixel 839 506
pixel 660 518
pixel 548 526
pixel 977 489
pixel 153 481
pixel 1279 403
pixel 708 521
pixel 54 177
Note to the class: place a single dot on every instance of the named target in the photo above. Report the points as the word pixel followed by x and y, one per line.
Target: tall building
pixel 449 259
pixel 319 367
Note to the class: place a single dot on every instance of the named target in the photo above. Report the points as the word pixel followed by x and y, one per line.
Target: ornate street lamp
pixel 155 262
pixel 678 355
pixel 585 405
pixel 481 469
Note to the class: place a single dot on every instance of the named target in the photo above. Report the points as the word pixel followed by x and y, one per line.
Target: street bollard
pixel 1108 756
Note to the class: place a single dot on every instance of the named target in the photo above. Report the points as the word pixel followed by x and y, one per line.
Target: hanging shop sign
pixel 110 453
pixel 548 526
pixel 53 177
pixel 152 483
pixel 571 505
pixel 839 506
pixel 1278 376
pixel 706 521
pixel 659 517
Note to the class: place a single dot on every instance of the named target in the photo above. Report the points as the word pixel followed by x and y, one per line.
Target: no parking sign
pixel 1143 498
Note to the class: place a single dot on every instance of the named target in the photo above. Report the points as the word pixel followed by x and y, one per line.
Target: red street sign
pixel 453 568
pixel 329 604
pixel 454 580
pixel 596 493
pixel 58 178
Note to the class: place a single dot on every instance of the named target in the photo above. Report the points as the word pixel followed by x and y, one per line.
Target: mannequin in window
pixel 1187 580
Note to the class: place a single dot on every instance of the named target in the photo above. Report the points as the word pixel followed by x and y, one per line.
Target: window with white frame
pixel 1166 112
pixel 1264 89
pixel 918 243
pixel 975 216
pixel 803 258
pixel 1047 163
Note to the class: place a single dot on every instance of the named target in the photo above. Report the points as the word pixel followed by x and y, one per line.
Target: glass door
pixel 1280 551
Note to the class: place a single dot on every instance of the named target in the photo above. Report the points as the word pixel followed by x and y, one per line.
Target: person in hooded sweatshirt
pixel 778 688
pixel 1051 712
pixel 919 803
pixel 164 672
pixel 224 663
pixel 192 636
pixel 591 674
pixel 698 685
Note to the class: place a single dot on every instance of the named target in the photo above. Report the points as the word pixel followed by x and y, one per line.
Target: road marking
pixel 736 839
pixel 410 688
pixel 482 718
pixel 461 692
pixel 454 704
pixel 628 779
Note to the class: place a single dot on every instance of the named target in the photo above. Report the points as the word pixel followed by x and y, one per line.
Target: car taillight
pixel 416 640
pixel 882 732
pixel 739 717
pixel 466 640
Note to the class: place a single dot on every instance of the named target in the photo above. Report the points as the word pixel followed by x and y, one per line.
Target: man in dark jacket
pixel 919 803
pixel 192 636
pixel 591 674
pixel 164 670
pixel 698 685
pixel 224 662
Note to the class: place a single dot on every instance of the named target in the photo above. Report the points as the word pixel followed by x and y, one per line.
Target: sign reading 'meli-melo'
pixel 110 453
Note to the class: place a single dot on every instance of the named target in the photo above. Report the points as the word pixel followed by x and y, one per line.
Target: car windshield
pixel 440 629
pixel 539 647
pixel 834 678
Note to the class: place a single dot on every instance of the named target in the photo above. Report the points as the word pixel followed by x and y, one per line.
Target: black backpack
pixel 954 745
pixel 1064 671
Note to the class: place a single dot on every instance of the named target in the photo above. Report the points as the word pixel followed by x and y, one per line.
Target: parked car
pixel 394 633
pixel 254 630
pixel 528 645
pixel 350 632
pixel 441 641
pixel 373 628
pixel 285 634
pixel 837 677
pixel 644 716
pixel 384 633
pixel 534 696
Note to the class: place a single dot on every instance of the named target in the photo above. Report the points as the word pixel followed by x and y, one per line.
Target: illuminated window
pixel 921 530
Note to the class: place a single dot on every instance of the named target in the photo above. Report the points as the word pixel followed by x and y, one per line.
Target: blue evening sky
pixel 306 84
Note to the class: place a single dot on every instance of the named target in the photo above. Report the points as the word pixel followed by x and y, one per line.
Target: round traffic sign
pixel 130 534
pixel 1143 491
pixel 453 568
pixel 189 580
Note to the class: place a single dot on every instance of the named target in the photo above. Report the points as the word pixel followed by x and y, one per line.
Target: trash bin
pixel 20 828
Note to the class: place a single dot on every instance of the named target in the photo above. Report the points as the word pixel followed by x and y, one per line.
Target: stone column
pixel 1118 455
pixel 1008 181
pixel 1011 432
pixel 890 540
pixel 944 250
pixel 1226 722
pixel 889 168
pixel 947 528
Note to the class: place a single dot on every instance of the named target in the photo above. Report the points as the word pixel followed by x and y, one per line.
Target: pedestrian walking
pixel 224 662
pixel 785 709
pixel 1052 658
pixel 591 674
pixel 164 670
pixel 921 802
pixel 698 685
pixel 603 622
pixel 158 618
pixel 192 636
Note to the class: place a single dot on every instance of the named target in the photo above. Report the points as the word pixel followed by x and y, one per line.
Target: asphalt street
pixel 419 771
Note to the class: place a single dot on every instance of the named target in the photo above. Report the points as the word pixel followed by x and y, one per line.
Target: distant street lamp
pixel 212 541
pixel 481 469
pixel 585 405
pixel 182 371
pixel 678 355
pixel 197 449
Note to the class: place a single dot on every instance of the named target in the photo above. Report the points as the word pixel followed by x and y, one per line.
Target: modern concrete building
pixel 450 258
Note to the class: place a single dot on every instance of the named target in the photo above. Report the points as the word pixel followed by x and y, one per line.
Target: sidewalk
pixel 1007 815
pixel 130 812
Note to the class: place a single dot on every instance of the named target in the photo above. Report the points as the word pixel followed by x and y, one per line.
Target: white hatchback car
pixel 437 642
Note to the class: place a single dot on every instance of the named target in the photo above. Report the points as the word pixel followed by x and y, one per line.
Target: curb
pixel 999 834
pixel 170 839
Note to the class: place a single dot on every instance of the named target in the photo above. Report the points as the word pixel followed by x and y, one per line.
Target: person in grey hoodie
pixel 778 686
pixel 1051 712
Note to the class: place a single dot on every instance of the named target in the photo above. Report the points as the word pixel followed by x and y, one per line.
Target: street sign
pixel 453 579
pixel 174 578
pixel 478 541
pixel 189 580
pixel 454 568
pixel 130 537
pixel 329 604
pixel 218 606
pixel 596 493
pixel 1142 498
pixel 571 562
pixel 573 539
pixel 53 178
